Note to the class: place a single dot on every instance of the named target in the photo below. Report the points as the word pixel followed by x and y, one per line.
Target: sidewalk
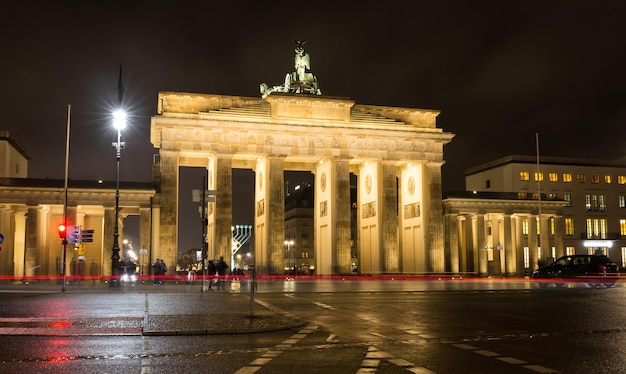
pixel 169 309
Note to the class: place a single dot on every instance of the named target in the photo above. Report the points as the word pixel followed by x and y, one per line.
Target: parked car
pixel 595 270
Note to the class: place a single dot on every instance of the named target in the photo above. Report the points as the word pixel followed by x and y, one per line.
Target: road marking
pixel 256 364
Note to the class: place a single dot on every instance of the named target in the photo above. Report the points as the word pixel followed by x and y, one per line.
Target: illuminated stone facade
pixel 32 209
pixel 396 154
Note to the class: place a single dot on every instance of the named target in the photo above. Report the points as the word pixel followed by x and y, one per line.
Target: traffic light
pixel 62 231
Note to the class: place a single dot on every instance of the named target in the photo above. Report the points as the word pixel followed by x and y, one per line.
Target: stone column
pixel 544 236
pixel 532 243
pixel 388 195
pixel 32 241
pixel 168 240
pixel 519 245
pixel 109 223
pixel 340 210
pixel 495 234
pixel 276 213
pixel 482 246
pixel 460 223
pixel 509 250
pixel 434 217
pixel 145 242
pixel 19 245
pixel 224 208
pixel 452 234
pixel 559 229
pixel 471 243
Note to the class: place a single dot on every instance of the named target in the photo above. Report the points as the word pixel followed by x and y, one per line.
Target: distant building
pixel 594 191
pixel 299 209
pixel 13 158
pixel 33 209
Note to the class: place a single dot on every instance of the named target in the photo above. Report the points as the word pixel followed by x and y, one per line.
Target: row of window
pixel 593 203
pixel 568 177
pixel 596 228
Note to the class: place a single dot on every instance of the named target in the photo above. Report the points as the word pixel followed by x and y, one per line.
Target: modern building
pixel 299 233
pixel 594 191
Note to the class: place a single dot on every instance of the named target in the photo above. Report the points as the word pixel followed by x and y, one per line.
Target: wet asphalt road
pixel 487 326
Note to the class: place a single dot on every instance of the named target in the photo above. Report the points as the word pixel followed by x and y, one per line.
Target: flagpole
pixel 538 195
pixel 67 162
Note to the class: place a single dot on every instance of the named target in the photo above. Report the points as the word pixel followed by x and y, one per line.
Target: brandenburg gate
pixel 396 155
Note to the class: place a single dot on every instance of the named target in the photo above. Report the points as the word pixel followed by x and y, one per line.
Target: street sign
pixel 86 236
pixel 73 234
pixel 209 196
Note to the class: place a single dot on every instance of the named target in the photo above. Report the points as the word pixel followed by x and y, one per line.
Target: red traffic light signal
pixel 62 231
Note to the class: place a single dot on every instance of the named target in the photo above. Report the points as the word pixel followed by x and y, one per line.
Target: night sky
pixel 499 72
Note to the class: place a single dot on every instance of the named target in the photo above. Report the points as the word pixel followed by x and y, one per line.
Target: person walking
pixel 156 271
pixel 221 267
pixel 211 270
pixel 93 271
pixel 163 270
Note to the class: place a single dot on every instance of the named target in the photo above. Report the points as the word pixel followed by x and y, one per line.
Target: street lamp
pixel 288 243
pixel 119 122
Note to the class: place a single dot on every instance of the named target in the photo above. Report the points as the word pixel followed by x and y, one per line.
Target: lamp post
pixel 288 243
pixel 119 122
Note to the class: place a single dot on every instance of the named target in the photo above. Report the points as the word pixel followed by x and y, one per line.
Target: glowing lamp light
pixel 598 243
pixel 119 119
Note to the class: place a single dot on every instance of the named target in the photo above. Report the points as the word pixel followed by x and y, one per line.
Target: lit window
pixel 522 195
pixel 601 203
pixel 595 203
pixel 596 228
pixel 580 178
pixel 553 177
pixel 568 197
pixel 622 227
pixel 538 177
pixel 526 257
pixel 570 251
pixel 595 178
pixel 552 196
pixel 569 226
pixel 567 178
pixel 622 201
pixel 608 179
pixel 621 179
pixel 623 256
pixel 551 225
pixel 524 176
pixel 525 227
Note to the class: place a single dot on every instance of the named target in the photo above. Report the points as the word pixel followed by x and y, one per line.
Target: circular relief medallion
pixel 260 181
pixel 411 185
pixel 323 182
pixel 368 184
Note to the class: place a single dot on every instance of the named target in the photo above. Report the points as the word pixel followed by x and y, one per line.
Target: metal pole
pixel 204 233
pixel 67 158
pixel 115 257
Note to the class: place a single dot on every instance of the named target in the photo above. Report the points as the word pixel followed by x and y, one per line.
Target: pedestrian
pixel 156 271
pixel 221 267
pixel 212 271
pixel 163 270
pixel 93 271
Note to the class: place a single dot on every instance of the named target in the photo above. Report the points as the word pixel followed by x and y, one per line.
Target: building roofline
pixel 72 183
pixel 5 135
pixel 521 159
